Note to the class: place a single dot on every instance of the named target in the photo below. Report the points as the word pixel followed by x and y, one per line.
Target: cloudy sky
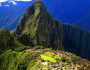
pixel 14 2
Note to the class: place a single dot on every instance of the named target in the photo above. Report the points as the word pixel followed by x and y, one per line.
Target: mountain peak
pixel 36 7
pixel 32 12
pixel 37 22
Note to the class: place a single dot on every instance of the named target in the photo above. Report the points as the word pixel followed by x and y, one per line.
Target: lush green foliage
pixel 38 47
pixel 44 57
pixel 6 40
pixel 12 60
pixel 18 46
pixel 9 42
pixel 24 39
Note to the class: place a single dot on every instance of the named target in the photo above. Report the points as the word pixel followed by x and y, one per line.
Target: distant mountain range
pixel 76 12
pixel 10 16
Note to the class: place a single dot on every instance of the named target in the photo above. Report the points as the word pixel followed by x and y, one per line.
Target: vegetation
pixel 12 60
pixel 6 40
pixel 24 39
pixel 33 60
pixel 9 42
pixel 18 46
pixel 38 47
pixel 12 32
pixel 44 57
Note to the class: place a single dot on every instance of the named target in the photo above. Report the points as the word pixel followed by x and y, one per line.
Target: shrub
pixel 24 39
pixel 12 60
pixel 38 47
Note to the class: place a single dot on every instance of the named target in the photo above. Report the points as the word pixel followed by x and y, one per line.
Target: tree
pixel 5 38
pixel 25 39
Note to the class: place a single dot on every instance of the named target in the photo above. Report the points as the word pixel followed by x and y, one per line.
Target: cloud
pixel 0 4
pixel 6 5
pixel 3 0
pixel 11 1
pixel 23 0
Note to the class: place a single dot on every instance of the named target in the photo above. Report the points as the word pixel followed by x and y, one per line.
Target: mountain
pixel 40 42
pixel 38 24
pixel 42 29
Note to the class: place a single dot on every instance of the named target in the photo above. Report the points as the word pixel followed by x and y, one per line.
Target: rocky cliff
pixel 76 40
pixel 44 30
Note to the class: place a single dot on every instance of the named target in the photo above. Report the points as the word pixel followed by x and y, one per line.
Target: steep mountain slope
pixel 43 29
pixel 9 16
pixel 77 41
pixel 38 24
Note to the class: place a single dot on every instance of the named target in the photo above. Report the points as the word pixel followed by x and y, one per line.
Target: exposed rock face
pixel 44 30
pixel 76 40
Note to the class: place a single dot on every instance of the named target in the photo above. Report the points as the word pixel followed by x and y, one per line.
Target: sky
pixel 76 12
pixel 14 2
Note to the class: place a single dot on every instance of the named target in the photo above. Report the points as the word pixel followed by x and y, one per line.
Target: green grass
pixel 44 57
pixel 12 32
